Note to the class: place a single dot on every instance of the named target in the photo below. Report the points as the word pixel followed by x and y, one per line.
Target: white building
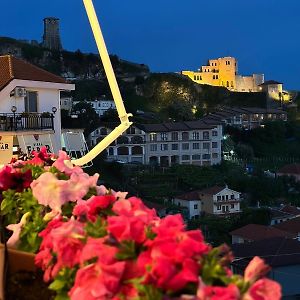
pixel 192 202
pixel 100 106
pixel 190 142
pixel 29 107
pixel 220 201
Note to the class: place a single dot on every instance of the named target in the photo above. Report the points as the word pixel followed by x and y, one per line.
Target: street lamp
pixel 14 109
pixel 54 109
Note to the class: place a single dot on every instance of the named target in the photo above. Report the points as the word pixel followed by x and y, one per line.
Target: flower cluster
pixel 97 244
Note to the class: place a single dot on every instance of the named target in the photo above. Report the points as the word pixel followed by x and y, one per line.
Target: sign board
pixel 34 142
pixel 6 148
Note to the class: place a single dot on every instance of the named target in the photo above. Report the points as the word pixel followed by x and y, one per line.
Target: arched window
pixel 137 150
pixel 137 139
pixel 123 140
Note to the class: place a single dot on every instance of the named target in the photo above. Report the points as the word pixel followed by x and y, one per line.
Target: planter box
pixel 17 261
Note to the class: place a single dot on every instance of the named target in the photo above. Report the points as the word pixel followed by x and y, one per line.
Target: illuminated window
pixel 153 137
pixel 164 136
pixel 196 135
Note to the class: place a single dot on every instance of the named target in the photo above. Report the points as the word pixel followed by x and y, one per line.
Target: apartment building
pixel 164 144
pixel 100 106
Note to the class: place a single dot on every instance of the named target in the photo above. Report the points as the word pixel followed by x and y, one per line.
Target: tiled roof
pixel 276 252
pixel 14 68
pixel 292 226
pixel 190 196
pixel 290 169
pixel 177 126
pixel 289 209
pixel 278 214
pixel 212 190
pixel 256 232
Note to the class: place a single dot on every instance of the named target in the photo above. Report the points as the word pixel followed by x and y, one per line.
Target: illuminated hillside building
pixel 224 72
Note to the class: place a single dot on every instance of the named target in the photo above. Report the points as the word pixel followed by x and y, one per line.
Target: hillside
pixel 167 95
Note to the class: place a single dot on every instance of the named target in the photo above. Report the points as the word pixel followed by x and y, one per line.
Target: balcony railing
pixel 26 121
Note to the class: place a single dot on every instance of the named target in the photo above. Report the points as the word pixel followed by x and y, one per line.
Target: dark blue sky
pixel 172 35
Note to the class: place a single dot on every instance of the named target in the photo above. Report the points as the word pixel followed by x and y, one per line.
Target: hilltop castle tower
pixel 51 37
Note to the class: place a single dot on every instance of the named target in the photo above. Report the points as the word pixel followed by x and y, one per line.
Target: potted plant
pixel 94 243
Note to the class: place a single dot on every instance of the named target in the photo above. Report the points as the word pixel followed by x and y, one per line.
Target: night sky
pixel 175 35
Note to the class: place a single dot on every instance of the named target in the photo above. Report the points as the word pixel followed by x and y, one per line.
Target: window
pixel 206 145
pixel 214 145
pixel 153 137
pixel 219 207
pixel 232 197
pixel 185 136
pixel 196 146
pixel 232 205
pixel 97 131
pixel 185 157
pixel 30 102
pixel 185 146
pixel 164 136
pixel 219 198
pixel 196 135
pixel 200 77
pixel 153 147
pixel 195 78
pixel 195 206
pixel 174 146
pixel 196 157
pixel 215 133
pixel 206 135
pixel 223 198
pixel 227 83
pixel 174 136
pixel 206 156
pixel 226 197
pixel 215 155
pixel 111 151
pixel 164 147
pixel 214 77
pixel 217 76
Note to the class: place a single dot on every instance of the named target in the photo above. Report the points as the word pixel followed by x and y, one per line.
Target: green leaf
pixel 57 285
pixel 96 229
pixel 127 250
pixel 62 296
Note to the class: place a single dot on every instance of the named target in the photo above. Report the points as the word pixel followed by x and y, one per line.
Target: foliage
pixel 109 246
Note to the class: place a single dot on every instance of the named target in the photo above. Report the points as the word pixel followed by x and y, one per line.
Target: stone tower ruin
pixel 51 37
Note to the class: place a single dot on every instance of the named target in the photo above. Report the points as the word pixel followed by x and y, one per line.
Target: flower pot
pixel 17 261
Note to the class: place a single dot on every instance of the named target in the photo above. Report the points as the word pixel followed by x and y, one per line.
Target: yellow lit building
pixel 275 91
pixel 224 72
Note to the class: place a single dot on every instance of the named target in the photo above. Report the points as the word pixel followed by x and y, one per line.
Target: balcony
pixel 26 121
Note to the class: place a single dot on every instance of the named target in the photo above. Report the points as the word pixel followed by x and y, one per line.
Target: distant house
pixel 246 117
pixel 282 254
pixel 291 226
pixel 292 170
pixel 161 209
pixel 216 200
pixel 274 90
pixel 220 201
pixel 192 202
pixel 282 214
pixel 255 232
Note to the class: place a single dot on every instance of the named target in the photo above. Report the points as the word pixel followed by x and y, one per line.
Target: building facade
pixel 51 37
pixel 274 91
pixel 100 106
pixel 223 72
pixel 220 201
pixel 165 144
pixel 246 117
pixel 30 107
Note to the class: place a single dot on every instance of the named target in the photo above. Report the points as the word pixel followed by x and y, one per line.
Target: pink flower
pixel 49 191
pixel 263 289
pixel 16 228
pixel 64 164
pixel 230 292
pixel 256 269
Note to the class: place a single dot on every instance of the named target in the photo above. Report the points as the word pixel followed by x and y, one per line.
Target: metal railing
pixel 26 121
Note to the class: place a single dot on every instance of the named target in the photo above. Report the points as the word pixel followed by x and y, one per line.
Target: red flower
pixel 264 289
pixel 127 228
pixel 230 292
